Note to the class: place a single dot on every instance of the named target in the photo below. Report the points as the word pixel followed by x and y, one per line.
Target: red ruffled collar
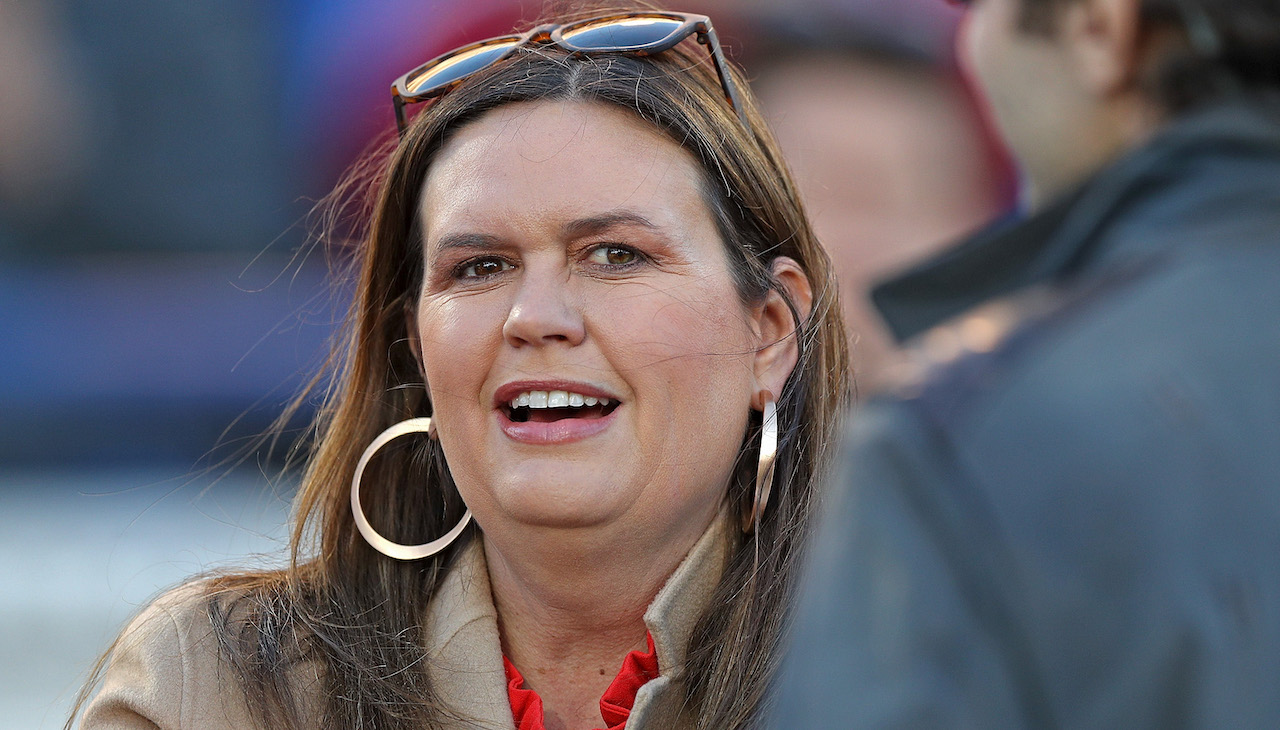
pixel 615 704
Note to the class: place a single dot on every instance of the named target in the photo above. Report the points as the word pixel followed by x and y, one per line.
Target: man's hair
pixel 1248 57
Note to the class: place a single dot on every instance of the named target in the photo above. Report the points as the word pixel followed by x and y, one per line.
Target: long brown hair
pixel 359 613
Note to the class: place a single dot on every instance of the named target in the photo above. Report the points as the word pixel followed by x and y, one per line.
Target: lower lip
pixel 564 431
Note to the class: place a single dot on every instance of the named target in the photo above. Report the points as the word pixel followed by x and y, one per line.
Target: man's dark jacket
pixel 1070 516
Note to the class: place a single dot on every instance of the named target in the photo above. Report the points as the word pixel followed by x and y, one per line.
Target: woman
pixel 585 276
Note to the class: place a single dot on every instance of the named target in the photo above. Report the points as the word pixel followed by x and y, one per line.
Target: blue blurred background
pixel 161 297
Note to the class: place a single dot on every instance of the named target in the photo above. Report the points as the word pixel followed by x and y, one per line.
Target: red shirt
pixel 615 703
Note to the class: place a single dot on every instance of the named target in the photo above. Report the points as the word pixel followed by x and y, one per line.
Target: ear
pixel 779 349
pixel 1103 38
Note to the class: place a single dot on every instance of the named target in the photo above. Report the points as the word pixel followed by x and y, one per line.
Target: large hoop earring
pixel 371 536
pixel 764 468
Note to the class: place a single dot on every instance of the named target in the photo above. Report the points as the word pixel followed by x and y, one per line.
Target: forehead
pixel 548 162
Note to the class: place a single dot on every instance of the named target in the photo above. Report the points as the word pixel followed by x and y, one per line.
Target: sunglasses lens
pixel 620 34
pixel 459 65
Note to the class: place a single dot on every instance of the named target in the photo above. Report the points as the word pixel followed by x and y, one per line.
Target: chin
pixel 559 497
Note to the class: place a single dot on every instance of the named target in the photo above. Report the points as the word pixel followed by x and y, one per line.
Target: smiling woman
pixel 556 449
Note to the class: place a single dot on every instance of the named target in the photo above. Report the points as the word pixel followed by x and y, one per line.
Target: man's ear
pixel 779 349
pixel 1104 39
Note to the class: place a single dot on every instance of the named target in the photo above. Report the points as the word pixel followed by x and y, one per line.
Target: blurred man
pixel 1069 515
pixel 890 154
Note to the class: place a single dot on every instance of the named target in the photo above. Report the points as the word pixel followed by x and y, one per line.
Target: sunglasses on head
pixel 636 34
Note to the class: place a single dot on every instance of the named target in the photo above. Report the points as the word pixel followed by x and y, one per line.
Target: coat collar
pixel 671 619
pixel 466 661
pixel 1068 235
pixel 465 650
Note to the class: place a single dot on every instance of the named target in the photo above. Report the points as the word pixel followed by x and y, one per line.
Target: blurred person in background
pixel 890 150
pixel 583 281
pixel 1068 516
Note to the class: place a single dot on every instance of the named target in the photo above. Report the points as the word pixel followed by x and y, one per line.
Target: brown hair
pixel 359 613
pixel 1248 59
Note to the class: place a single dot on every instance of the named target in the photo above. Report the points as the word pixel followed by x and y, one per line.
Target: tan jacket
pixel 166 673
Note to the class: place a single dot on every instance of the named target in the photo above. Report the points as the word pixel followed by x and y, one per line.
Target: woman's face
pixel 590 361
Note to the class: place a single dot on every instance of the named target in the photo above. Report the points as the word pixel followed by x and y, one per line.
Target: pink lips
pixel 564 431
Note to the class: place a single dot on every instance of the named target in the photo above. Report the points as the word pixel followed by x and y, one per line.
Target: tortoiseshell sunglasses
pixel 637 34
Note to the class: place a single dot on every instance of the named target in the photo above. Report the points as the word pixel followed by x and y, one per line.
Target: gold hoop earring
pixel 378 542
pixel 764 468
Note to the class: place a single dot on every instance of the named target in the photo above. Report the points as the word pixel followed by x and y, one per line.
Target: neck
pixel 1125 123
pixel 571 605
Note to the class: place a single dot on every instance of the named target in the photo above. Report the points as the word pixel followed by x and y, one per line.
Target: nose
pixel 544 312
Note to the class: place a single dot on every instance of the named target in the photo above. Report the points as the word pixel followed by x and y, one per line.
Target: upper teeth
pixel 555 399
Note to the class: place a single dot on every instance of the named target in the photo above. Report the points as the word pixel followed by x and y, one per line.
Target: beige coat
pixel 166 673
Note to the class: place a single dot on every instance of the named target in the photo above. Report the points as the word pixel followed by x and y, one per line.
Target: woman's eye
pixel 614 256
pixel 480 268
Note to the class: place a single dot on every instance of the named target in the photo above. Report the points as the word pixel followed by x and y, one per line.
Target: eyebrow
pixel 466 240
pixel 573 229
pixel 598 223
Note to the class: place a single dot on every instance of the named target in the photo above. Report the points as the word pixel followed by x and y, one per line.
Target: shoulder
pixel 180 615
pixel 1060 405
pixel 174 631
pixel 1147 341
pixel 151 671
pixel 1136 399
pixel 1095 481
pixel 167 668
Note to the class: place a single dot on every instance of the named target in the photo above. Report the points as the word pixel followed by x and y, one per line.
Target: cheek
pixel 975 48
pixel 988 36
pixel 687 353
pixel 687 358
pixel 706 327
pixel 457 336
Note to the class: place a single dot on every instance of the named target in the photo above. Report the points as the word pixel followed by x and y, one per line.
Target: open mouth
pixel 547 406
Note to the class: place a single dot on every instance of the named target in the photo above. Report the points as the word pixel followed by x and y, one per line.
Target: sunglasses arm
pixel 399 105
pixel 707 37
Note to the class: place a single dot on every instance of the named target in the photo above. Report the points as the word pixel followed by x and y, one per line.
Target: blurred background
pixel 161 297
